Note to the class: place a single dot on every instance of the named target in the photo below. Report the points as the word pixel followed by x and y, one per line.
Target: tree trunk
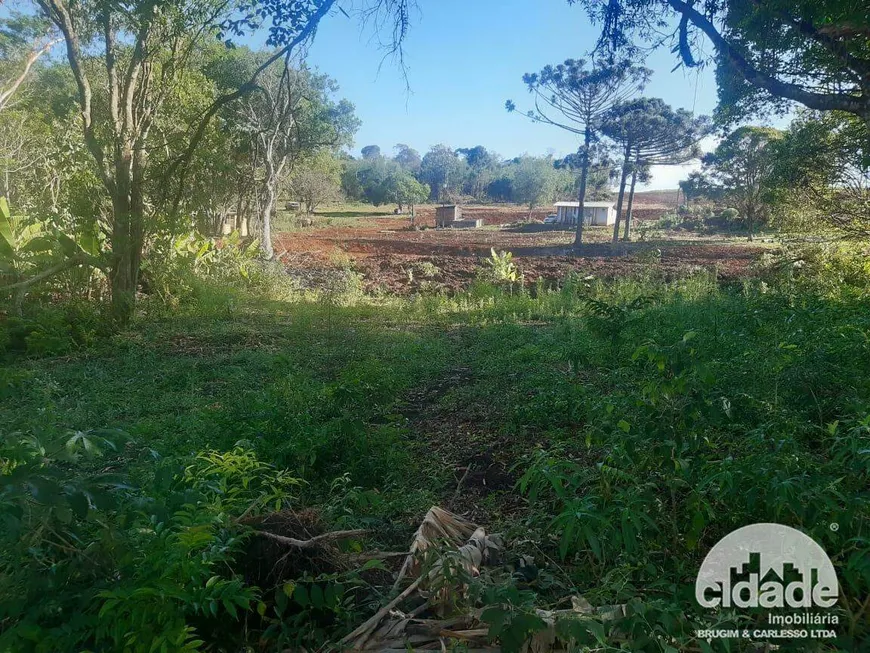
pixel 266 222
pixel 627 233
pixel 128 232
pixel 126 239
pixel 581 195
pixel 124 275
pixel 621 195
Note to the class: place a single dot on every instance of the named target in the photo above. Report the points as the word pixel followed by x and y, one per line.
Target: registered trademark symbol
pixel 835 526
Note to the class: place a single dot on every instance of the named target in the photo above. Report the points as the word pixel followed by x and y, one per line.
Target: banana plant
pixel 31 251
pixel 18 238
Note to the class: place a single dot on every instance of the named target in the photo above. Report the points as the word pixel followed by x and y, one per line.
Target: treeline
pixel 813 175
pixel 233 177
pixel 445 174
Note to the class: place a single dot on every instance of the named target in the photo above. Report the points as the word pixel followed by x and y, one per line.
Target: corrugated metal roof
pixel 591 205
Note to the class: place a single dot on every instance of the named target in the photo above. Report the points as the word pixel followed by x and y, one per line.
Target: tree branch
pixel 61 16
pixel 316 541
pixel 73 261
pixel 822 101
pixel 183 161
pixel 6 94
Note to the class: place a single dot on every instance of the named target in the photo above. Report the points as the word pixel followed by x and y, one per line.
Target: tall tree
pixel 405 190
pixel 695 186
pixel 407 157
pixel 371 152
pixel 743 166
pixel 441 169
pixel 316 180
pixel 813 52
pixel 575 98
pixel 480 163
pixel 650 132
pixel 534 181
pixel 822 172
pixel 369 179
pixel 290 115
pixel 141 48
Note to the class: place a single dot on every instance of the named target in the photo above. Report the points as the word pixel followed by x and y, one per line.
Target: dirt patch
pixel 404 274
pixel 486 474
pixel 480 458
pixel 393 257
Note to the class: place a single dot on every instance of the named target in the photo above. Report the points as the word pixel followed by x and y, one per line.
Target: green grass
pixel 631 438
pixel 346 214
pixel 356 210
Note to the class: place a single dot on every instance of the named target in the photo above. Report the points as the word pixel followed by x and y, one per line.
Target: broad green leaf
pixel 63 514
pixel 44 490
pixel 316 596
pixel 6 223
pixel 67 244
pixel 300 595
pixel 78 502
pixel 89 242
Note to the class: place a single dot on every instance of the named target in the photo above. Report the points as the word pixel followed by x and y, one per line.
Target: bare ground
pixel 393 257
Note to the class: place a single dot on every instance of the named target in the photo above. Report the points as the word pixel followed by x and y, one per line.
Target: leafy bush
pixel 47 330
pixel 174 264
pixel 500 268
pixel 829 269
pixel 89 560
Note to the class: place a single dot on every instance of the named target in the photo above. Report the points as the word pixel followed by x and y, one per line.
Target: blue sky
pixel 464 59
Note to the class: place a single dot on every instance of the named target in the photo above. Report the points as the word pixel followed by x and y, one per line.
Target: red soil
pixel 389 254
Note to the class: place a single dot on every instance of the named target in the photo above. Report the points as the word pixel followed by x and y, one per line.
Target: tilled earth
pixel 395 258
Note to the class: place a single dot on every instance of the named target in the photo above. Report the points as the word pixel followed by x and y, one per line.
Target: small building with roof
pixel 594 213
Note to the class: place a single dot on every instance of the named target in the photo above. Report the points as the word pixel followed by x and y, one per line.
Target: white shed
pixel 594 213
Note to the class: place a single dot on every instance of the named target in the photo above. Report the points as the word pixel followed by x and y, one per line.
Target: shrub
pixel 826 268
pixel 51 330
pixel 500 268
pixel 174 264
pixel 90 560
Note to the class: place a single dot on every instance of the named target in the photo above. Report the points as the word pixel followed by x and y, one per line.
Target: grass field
pixel 612 431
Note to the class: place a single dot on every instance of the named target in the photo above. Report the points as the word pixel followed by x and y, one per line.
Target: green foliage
pixel 510 616
pixel 316 180
pixel 640 420
pixel 821 175
pixel 124 568
pixel 829 269
pixel 534 181
pixel 51 330
pixel 743 168
pixel 650 131
pixel 500 268
pixel 443 171
pixel 381 181
pixel 766 54
pixel 176 264
pixel 29 246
